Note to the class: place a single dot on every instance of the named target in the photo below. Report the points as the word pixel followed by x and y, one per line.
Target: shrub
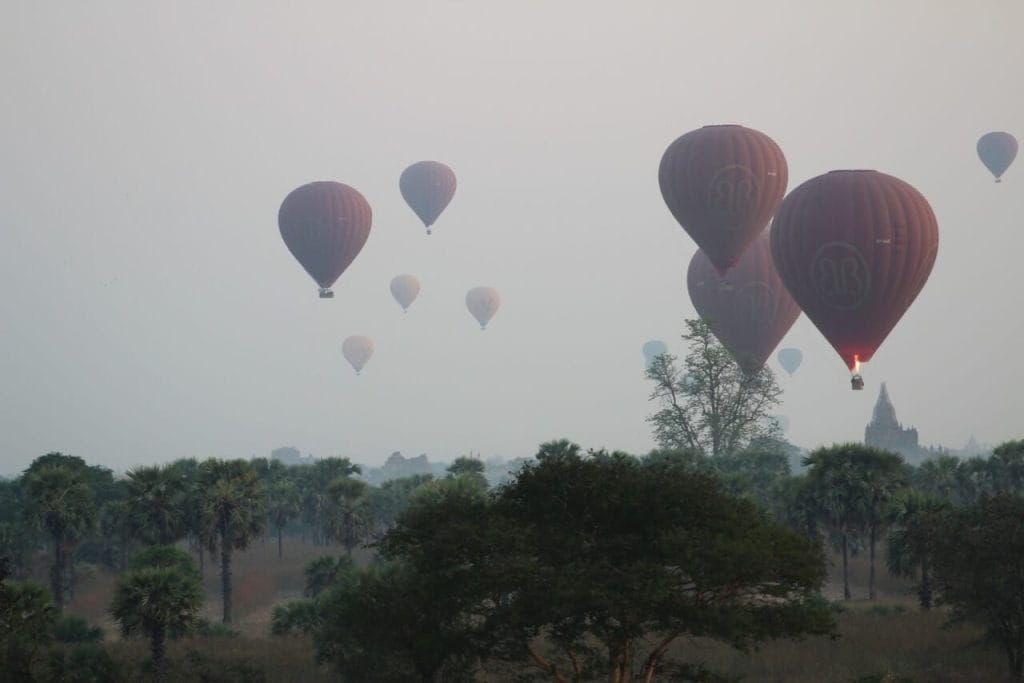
pixel 74 629
pixel 84 664
pixel 204 628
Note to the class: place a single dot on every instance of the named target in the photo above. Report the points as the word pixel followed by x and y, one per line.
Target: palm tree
pixel 347 515
pixel 155 497
pixel 916 518
pixel 160 597
pixel 118 528
pixel 852 485
pixel 232 513
pixel 282 506
pixel 59 501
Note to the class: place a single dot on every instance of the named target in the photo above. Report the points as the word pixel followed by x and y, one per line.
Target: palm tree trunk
pixel 871 564
pixel 846 573
pixel 225 577
pixel 280 533
pixel 924 593
pixel 57 572
pixel 156 644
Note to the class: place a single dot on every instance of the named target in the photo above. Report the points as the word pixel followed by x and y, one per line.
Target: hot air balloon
pixel 483 302
pixel 749 309
pixel 997 151
pixel 854 248
pixel 357 351
pixel 723 183
pixel 790 359
pixel 405 289
pixel 427 187
pixel 652 350
pixel 325 225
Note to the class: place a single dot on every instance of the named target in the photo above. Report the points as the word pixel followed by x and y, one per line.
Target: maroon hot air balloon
pixel 749 308
pixel 325 225
pixel 854 248
pixel 427 187
pixel 723 183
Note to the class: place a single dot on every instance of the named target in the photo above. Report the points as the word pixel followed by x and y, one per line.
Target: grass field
pixel 888 636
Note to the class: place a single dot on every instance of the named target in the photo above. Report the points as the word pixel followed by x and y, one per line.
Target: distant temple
pixel 885 431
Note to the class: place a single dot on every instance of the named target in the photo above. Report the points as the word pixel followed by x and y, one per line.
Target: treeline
pixel 584 565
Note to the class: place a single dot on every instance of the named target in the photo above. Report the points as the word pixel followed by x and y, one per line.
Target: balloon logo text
pixel 840 275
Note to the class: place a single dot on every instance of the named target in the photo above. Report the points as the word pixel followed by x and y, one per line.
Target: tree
pixel 392 498
pixel 916 518
pixel 283 504
pixel 156 504
pixel 709 405
pixel 574 554
pixel 161 596
pixel 60 502
pixel 977 558
pixel 852 485
pixel 347 515
pixel 27 618
pixel 232 513
pixel 1007 467
pixel 469 467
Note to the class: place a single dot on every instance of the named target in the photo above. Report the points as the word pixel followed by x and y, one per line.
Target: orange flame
pixel 856 364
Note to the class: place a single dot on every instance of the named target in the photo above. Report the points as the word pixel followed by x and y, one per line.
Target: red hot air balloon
pixel 997 150
pixel 325 225
pixel 749 309
pixel 854 248
pixel 723 183
pixel 427 187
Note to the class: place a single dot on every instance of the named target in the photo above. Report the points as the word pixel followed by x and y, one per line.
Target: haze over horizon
pixel 152 311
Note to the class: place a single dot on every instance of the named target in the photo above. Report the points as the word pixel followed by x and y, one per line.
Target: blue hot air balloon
pixel 997 151
pixel 652 350
pixel 790 359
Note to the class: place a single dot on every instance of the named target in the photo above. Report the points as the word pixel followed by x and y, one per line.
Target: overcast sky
pixel 151 311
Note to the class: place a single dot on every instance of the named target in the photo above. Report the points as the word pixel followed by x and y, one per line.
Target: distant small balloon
pixel 652 350
pixel 405 289
pixel 483 303
pixel 357 351
pixel 790 359
pixel 997 150
pixel 427 187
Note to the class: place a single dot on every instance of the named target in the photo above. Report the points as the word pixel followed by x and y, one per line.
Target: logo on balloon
pixel 840 275
pixel 733 192
pixel 755 304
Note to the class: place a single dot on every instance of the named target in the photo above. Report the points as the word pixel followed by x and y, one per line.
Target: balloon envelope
pixel 722 184
pixel 997 150
pixel 483 303
pixel 854 249
pixel 325 225
pixel 790 359
pixel 357 351
pixel 652 350
pixel 749 309
pixel 405 289
pixel 428 187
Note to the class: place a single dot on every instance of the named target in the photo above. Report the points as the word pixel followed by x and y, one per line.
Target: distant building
pixel 289 455
pixel 885 431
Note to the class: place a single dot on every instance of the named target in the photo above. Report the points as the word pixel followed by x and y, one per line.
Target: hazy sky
pixel 150 309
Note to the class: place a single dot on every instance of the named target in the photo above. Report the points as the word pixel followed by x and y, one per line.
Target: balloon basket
pixel 857 383
pixel 326 293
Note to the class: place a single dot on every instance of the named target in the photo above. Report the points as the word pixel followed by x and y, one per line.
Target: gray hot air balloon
pixel 997 151
pixel 405 289
pixel 652 350
pixel 483 303
pixel 790 359
pixel 357 351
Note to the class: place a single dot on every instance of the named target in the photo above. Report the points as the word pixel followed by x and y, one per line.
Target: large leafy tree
pixel 59 501
pixel 977 558
pixel 607 560
pixel 161 596
pixel 232 513
pixel 707 404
